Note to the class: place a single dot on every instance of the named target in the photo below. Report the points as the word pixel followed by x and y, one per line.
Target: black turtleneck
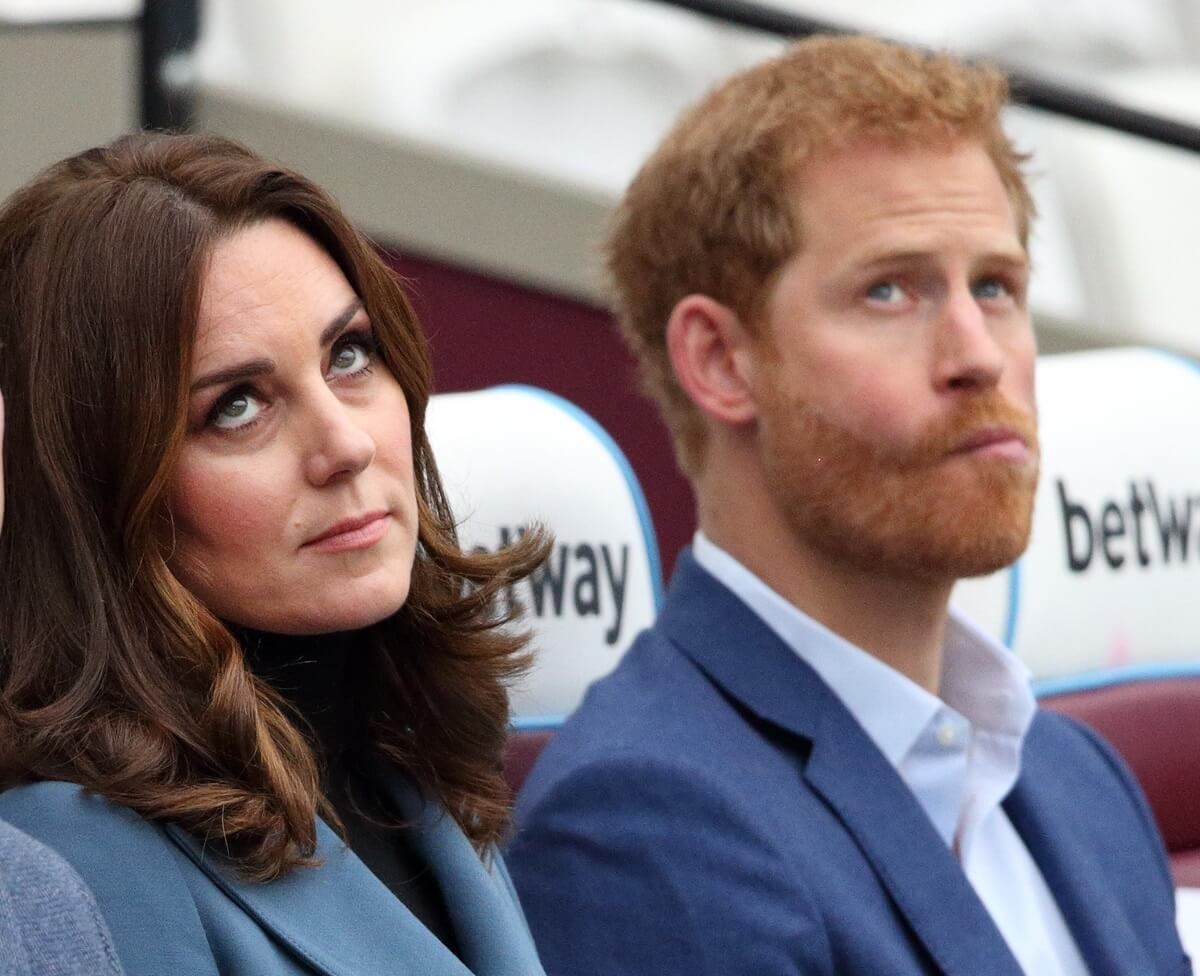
pixel 313 675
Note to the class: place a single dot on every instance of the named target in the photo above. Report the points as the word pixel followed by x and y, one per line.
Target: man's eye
pixel 991 288
pixel 885 291
pixel 235 411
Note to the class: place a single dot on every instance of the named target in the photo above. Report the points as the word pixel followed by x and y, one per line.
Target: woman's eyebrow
pixel 241 371
pixel 332 330
pixel 253 368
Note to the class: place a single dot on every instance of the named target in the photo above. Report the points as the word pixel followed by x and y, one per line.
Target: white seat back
pixel 1109 588
pixel 511 455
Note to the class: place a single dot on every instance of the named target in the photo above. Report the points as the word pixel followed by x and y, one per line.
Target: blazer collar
pixel 748 662
pixel 342 921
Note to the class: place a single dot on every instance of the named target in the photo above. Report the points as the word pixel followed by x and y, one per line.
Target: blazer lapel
pixel 337 917
pixel 1100 927
pixel 493 937
pixel 910 858
pixel 739 653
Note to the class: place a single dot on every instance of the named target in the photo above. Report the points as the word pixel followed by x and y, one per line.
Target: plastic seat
pixel 511 455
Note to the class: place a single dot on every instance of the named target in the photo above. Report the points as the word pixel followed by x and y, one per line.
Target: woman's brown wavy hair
pixel 112 675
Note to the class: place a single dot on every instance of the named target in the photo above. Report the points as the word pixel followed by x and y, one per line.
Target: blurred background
pixel 481 144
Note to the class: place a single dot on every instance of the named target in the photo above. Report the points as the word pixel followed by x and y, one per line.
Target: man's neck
pixel 900 621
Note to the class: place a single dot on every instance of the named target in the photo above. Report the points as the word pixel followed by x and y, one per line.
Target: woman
pixel 250 686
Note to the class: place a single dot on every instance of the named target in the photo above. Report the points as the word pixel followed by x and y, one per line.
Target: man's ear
pixel 708 348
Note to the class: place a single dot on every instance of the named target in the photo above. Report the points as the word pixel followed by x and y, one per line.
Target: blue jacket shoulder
pixel 48 919
pixel 134 870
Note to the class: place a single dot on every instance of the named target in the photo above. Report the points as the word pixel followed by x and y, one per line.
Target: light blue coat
pixel 175 907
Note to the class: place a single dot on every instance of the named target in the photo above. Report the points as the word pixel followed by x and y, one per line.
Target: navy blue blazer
pixel 175 908
pixel 49 923
pixel 712 809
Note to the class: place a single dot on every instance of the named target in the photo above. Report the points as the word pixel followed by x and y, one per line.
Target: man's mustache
pixel 985 412
pixel 833 442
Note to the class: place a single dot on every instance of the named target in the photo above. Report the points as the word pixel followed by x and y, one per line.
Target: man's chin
pixel 975 537
pixel 969 550
pixel 984 526
pixel 986 562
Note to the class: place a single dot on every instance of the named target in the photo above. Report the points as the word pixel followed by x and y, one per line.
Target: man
pixel 808 765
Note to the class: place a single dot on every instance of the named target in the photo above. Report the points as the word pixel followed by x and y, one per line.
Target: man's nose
pixel 969 355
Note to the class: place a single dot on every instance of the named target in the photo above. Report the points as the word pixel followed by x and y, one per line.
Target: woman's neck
pixel 312 673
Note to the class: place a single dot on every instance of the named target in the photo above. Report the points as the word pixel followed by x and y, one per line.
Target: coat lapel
pixel 338 917
pixel 1070 866
pixel 493 936
pixel 342 921
pixel 739 653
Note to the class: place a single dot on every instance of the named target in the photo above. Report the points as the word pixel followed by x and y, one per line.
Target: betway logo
pixel 587 579
pixel 1146 528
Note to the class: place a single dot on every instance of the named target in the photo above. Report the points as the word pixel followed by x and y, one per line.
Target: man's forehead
pixel 885 198
pixel 893 242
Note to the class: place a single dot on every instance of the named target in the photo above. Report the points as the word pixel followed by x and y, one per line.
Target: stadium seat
pixel 512 455
pixel 1103 606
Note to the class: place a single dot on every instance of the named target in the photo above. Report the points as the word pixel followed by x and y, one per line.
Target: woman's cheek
pixel 226 505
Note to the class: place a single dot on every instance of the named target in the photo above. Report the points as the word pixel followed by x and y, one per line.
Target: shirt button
pixel 947 735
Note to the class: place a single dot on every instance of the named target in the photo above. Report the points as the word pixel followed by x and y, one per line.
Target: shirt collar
pixel 984 681
pixel 981 679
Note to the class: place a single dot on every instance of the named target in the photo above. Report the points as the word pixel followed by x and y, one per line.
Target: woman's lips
pixel 360 532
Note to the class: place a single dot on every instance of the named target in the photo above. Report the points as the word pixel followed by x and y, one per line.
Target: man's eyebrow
pixel 260 367
pixel 884 257
pixel 1018 259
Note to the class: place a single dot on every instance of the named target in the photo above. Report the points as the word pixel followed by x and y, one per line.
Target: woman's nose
pixel 340 444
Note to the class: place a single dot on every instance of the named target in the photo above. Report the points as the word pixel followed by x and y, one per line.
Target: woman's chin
pixel 336 610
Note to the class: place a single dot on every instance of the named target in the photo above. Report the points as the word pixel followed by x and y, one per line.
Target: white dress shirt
pixel 960 754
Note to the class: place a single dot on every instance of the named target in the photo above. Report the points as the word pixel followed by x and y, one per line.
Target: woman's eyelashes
pixel 351 357
pixel 353 354
pixel 238 409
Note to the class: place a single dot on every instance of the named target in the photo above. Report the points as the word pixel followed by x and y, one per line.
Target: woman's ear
pixel 708 348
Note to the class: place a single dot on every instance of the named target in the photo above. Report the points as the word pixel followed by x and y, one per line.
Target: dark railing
pixel 169 30
pixel 1028 89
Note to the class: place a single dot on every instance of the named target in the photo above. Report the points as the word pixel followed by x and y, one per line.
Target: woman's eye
pixel 235 411
pixel 349 358
pixel 887 292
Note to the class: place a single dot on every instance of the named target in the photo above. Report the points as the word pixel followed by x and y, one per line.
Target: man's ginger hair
pixel 713 212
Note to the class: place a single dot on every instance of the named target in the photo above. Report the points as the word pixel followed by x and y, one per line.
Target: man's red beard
pixel 920 512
